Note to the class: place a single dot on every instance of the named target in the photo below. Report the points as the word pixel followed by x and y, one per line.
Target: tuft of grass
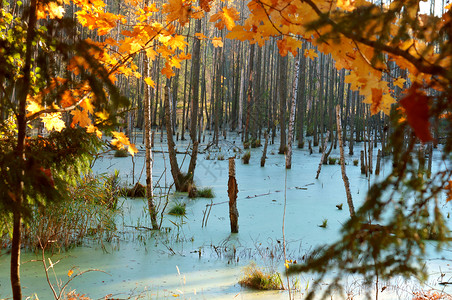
pixel 178 209
pixel 121 153
pixel 206 192
pixel 88 213
pixel 246 145
pixel 339 206
pixel 220 157
pixel 324 223
pixel 137 191
pixel 246 157
pixel 256 278
pixel 256 143
pixel 355 162
pixel 332 160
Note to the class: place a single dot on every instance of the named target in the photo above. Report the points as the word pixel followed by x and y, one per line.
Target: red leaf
pixel 416 107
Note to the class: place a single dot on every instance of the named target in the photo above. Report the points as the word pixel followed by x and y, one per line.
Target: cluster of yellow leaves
pixel 52 9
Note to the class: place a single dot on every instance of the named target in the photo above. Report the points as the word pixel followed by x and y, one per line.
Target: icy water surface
pixel 191 261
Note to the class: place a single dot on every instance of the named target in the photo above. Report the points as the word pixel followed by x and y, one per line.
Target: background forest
pixel 80 78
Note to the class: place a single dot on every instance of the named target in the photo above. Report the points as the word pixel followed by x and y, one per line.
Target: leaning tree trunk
pixel 344 175
pixel 175 171
pixel 292 116
pixel 148 144
pixel 196 62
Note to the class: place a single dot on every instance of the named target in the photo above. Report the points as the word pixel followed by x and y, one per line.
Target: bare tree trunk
pixel 148 143
pixel 264 153
pixel 25 84
pixel 196 62
pixel 250 92
pixel 342 159
pixel 175 171
pixel 322 159
pixel 282 102
pixel 232 193
pixel 292 115
pixel 377 167
pixel 242 86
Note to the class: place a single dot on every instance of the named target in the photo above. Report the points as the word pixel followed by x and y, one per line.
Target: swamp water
pixel 190 261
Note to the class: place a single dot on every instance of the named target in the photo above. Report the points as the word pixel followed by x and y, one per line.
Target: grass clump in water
pixel 332 160
pixel 206 192
pixel 246 157
pixel 256 278
pixel 178 210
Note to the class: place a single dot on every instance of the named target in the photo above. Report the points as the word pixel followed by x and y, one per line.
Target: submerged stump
pixel 232 193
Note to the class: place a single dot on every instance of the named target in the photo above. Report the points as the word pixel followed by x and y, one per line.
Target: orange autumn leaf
pixel 177 10
pixel 80 117
pixel 200 36
pixel 69 273
pixel 168 71
pixel 416 105
pixel 205 5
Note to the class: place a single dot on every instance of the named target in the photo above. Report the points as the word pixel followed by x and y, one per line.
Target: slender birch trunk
pixel 342 159
pixel 322 159
pixel 148 144
pixel 292 115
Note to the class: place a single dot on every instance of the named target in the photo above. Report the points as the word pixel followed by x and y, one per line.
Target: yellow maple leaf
pixel 177 42
pixel 149 82
pixel 225 17
pixel 69 273
pixel 310 53
pixel 93 129
pixel 80 117
pixel 87 105
pixel 217 42
pixel 33 105
pixel 132 149
pixel 53 122
pixel 399 82
pixel 103 115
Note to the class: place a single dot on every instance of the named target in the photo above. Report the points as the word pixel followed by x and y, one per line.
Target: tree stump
pixel 232 193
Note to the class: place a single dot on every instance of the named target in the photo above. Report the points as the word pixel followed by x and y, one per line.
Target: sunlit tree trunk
pixel 342 159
